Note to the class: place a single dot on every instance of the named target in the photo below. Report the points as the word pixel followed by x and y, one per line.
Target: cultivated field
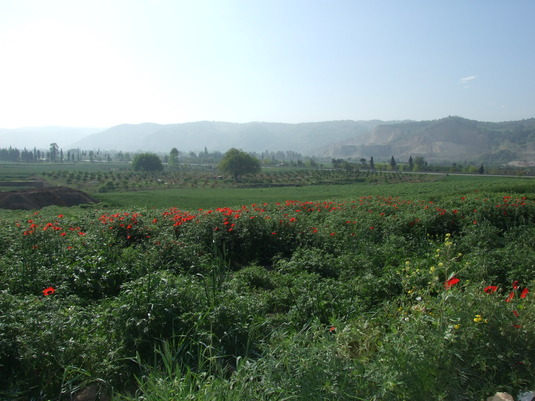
pixel 347 286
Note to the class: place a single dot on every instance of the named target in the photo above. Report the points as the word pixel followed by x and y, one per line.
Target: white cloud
pixel 466 80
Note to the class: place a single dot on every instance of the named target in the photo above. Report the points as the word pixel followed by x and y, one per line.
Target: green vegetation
pixel 147 162
pixel 237 163
pixel 388 290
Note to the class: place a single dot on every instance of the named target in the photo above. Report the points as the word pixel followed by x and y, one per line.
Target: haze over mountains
pixel 450 139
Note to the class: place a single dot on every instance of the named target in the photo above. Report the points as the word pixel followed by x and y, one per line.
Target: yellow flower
pixel 457 326
pixel 479 319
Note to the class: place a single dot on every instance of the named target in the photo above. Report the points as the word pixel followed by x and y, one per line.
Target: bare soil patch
pixel 29 199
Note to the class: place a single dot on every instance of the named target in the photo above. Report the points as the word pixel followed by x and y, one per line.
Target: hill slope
pixel 42 137
pixel 447 139
pixel 451 139
pixel 306 138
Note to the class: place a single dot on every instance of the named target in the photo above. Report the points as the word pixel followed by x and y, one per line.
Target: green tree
pixel 411 163
pixel 312 163
pixel 237 163
pixel 419 163
pixel 393 164
pixel 53 151
pixel 147 162
pixel 173 157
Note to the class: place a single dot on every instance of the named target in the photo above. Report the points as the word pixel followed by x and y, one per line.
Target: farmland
pixel 291 285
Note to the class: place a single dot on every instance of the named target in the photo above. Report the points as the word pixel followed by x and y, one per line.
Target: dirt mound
pixel 30 199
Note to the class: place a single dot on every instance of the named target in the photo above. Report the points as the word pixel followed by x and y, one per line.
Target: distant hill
pixel 451 139
pixel 305 138
pixel 445 140
pixel 42 137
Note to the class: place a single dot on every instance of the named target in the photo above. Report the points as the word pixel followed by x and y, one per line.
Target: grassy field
pixel 390 288
pixel 192 199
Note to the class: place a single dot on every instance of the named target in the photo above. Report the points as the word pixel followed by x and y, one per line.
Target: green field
pixel 390 288
pixel 193 199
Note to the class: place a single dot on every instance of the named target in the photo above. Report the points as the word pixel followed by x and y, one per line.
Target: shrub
pixel 148 162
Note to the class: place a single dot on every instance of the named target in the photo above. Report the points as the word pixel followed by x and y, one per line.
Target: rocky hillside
pixel 445 140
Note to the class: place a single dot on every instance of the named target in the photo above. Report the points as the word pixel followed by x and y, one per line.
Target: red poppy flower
pixel 490 289
pixel 524 293
pixel 451 282
pixel 510 296
pixel 515 285
pixel 48 291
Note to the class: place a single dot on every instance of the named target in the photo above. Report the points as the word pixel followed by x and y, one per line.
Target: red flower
pixel 510 296
pixel 524 293
pixel 490 289
pixel 48 291
pixel 515 285
pixel 451 282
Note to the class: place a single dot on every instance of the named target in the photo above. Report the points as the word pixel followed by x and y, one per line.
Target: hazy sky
pixel 100 63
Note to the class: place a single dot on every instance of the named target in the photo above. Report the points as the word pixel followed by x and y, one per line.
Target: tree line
pixel 54 155
pixel 267 158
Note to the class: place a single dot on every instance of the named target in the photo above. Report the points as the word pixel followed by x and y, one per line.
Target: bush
pixel 148 162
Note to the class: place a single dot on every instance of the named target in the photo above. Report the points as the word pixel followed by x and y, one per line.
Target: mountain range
pixel 305 138
pixel 450 139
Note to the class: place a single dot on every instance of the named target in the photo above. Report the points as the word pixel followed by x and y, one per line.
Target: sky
pixel 101 63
